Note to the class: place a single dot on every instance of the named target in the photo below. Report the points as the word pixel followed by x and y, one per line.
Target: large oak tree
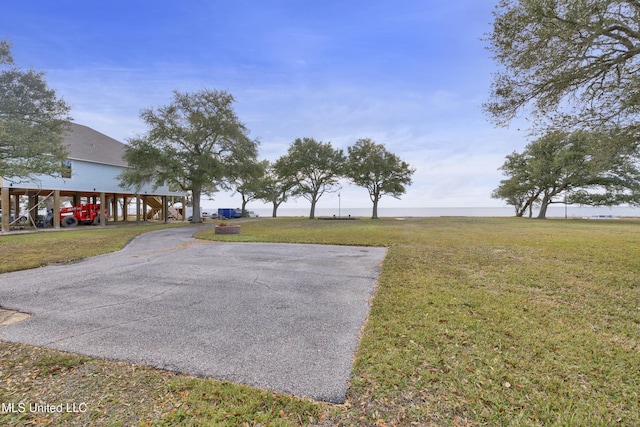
pixel 32 123
pixel 275 189
pixel 571 64
pixel 579 167
pixel 247 179
pixel 371 166
pixel 195 143
pixel 313 167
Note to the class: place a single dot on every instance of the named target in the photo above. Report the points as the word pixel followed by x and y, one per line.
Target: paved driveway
pixel 285 317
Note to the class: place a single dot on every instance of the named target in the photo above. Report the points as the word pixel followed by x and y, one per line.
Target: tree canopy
pixel 247 180
pixel 582 167
pixel 575 64
pixel 32 122
pixel 313 167
pixel 371 166
pixel 275 189
pixel 194 143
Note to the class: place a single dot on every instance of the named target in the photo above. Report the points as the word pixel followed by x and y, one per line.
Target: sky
pixel 410 74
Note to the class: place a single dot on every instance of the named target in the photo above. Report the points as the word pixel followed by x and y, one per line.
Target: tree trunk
pixel 312 214
pixel 244 207
pixel 196 190
pixel 275 209
pixel 313 198
pixel 519 211
pixel 543 207
pixel 374 215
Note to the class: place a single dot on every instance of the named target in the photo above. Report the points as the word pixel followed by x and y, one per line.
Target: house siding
pixel 91 177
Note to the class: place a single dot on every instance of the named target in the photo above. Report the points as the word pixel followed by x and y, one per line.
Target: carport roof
pixel 90 145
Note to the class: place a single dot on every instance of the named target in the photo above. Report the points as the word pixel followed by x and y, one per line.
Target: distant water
pixel 556 211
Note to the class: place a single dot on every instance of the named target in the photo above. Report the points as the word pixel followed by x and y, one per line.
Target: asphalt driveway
pixel 284 317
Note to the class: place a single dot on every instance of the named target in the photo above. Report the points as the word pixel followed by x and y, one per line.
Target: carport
pixel 91 176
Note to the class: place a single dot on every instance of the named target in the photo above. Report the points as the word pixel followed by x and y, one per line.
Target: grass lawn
pixel 476 321
pixel 30 250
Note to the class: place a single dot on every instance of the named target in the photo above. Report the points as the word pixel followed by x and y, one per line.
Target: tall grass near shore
pixel 476 321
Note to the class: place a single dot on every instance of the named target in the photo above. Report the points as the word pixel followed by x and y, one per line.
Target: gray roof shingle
pixel 87 144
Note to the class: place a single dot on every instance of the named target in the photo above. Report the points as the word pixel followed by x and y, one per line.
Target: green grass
pixel 476 321
pixel 31 250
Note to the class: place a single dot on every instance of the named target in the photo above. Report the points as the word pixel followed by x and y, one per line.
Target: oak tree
pixel 275 189
pixel 314 168
pixel 33 121
pixel 573 64
pixel 247 179
pixel 579 167
pixel 371 166
pixel 192 144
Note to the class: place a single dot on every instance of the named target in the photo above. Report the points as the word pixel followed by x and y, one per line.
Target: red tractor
pixel 81 214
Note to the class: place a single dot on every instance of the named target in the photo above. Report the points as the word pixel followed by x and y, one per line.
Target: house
pixel 94 163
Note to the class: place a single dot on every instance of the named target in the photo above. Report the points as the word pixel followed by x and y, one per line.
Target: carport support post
pixel 144 208
pixel 16 204
pixel 165 209
pixel 114 208
pixel 138 209
pixel 5 203
pixel 33 213
pixel 184 208
pixel 103 207
pixel 125 209
pixel 56 209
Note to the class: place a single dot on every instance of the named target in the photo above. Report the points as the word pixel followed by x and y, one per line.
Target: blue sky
pixel 410 74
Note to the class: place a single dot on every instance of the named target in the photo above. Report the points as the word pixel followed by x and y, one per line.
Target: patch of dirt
pixel 8 317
